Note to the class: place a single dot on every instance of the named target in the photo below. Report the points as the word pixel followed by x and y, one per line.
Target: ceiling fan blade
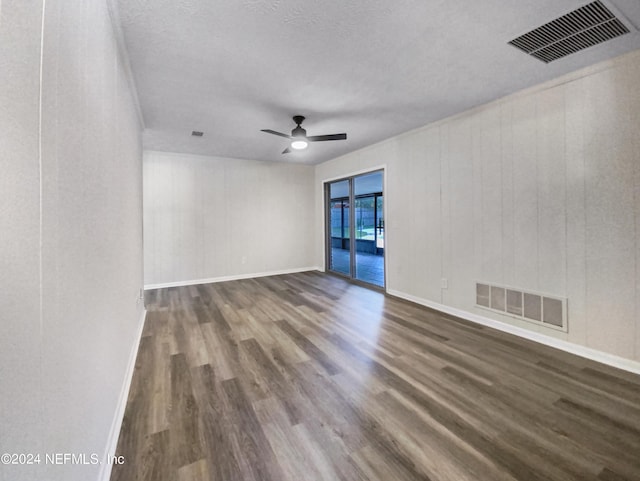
pixel 269 131
pixel 286 151
pixel 321 138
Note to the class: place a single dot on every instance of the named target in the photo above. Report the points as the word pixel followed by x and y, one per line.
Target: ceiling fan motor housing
pixel 298 132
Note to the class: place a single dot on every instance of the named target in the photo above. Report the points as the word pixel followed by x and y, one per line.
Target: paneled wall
pixel 71 233
pixel 539 190
pixel 214 218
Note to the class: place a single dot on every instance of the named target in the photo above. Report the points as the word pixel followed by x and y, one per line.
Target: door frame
pixel 352 241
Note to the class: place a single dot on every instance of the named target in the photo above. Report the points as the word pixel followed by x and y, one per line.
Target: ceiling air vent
pixel 582 28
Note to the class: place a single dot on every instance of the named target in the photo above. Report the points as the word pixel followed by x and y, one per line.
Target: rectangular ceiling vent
pixel 582 28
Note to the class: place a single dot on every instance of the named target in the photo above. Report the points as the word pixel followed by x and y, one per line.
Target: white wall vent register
pixel 543 309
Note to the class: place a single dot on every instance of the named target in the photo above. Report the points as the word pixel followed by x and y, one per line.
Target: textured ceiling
pixel 371 68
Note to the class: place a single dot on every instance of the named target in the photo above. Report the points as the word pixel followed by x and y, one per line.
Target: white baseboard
pixel 228 278
pixel 586 352
pixel 114 433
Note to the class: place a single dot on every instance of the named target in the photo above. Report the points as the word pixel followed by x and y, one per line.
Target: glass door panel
pixel 369 259
pixel 339 232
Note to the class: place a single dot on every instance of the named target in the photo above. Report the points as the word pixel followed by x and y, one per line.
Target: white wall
pixel 21 396
pixel 212 218
pixel 539 190
pixel 71 232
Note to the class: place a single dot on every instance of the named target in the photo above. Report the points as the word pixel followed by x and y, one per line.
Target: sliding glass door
pixel 355 236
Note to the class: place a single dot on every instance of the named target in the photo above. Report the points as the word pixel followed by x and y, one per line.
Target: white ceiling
pixel 371 68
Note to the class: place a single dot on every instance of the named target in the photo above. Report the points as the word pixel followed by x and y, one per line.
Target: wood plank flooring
pixel 309 377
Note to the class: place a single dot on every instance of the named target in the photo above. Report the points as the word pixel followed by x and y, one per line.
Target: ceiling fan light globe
pixel 299 144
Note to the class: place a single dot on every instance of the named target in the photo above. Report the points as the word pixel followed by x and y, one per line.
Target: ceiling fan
pixel 299 139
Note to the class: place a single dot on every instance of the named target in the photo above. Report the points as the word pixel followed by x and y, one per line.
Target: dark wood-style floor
pixel 308 377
